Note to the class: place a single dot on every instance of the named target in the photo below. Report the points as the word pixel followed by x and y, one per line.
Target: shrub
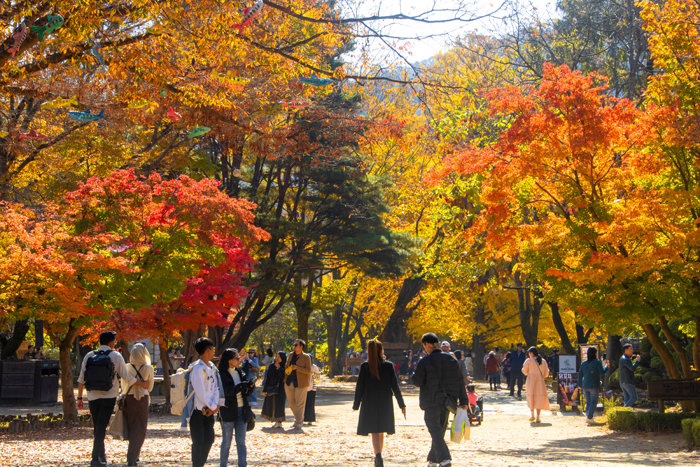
pixel 626 419
pixel 695 429
pixel 687 429
pixel 657 363
pixel 614 378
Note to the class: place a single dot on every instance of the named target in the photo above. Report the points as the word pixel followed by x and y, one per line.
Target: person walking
pixel 459 356
pixel 628 383
pixel 205 381
pixel 493 371
pixel 297 380
pixel 310 407
pixel 589 377
pixel 517 360
pixel 137 400
pixel 506 367
pixel 441 385
pixel 273 390
pixel 373 391
pixel 251 367
pixel 235 412
pixel 99 374
pixel 268 359
pixel 553 362
pixel 536 370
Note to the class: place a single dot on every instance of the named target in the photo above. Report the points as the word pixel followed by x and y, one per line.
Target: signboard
pixel 568 391
pixel 567 364
pixel 583 350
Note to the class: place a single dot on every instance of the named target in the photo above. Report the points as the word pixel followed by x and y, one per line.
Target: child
pixel 474 409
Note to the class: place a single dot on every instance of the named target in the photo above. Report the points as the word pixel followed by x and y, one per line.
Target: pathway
pixel 505 439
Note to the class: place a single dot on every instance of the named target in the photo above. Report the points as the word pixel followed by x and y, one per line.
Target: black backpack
pixel 99 371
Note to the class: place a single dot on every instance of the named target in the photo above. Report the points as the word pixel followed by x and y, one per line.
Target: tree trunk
pixel 677 346
pixel 395 329
pixel 10 346
pixel 332 328
pixel 70 410
pixel 583 335
pixel 559 325
pixel 529 307
pixel 613 352
pixel 478 346
pixel 39 334
pixel 662 350
pixel 696 346
pixel 124 347
pixel 303 314
pixel 165 363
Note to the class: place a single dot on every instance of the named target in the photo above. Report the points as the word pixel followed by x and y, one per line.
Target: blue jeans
pixel 227 428
pixel 629 391
pixel 591 396
pixel 253 398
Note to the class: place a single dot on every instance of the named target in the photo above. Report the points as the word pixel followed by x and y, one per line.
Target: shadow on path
pixel 607 449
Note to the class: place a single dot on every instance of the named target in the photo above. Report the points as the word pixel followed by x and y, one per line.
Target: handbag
pixel 250 418
pixel 118 427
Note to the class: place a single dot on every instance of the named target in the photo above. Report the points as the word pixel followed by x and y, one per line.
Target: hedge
pixel 691 432
pixel 626 419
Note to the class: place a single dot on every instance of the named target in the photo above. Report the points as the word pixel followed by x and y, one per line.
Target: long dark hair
pixel 375 356
pixel 226 356
pixel 534 351
pixel 283 358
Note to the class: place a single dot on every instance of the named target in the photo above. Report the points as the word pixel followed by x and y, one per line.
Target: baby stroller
pixel 476 406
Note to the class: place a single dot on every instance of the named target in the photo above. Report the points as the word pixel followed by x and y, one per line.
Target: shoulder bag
pixel 117 425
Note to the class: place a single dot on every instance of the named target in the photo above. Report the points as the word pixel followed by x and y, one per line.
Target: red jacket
pixel 492 365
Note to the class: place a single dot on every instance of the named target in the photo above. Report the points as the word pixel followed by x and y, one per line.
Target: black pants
pixel 516 376
pixel 101 411
pixel 202 432
pixel 436 422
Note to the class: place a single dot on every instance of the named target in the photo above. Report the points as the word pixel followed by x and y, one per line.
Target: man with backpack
pixel 99 374
pixel 441 390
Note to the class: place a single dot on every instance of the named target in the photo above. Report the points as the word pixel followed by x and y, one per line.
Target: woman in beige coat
pixel 536 370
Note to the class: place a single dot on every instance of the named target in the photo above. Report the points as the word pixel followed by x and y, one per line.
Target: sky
pixel 418 41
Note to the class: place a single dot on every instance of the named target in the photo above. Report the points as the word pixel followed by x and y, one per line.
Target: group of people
pixel 511 365
pixel 228 391
pixel 224 391
pixel 33 353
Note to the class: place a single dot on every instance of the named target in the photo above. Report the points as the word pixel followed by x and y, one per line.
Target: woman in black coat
pixel 273 390
pixel 235 413
pixel 375 385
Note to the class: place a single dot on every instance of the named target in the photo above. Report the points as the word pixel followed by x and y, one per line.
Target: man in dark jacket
pixel 517 360
pixel 438 377
pixel 627 379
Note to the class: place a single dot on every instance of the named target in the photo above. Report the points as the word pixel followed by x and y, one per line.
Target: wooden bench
pixel 352 362
pixel 673 389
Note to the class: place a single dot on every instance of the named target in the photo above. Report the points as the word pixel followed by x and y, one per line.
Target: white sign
pixel 567 364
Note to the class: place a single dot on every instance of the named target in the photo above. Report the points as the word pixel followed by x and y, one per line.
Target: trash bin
pixel 17 380
pixel 46 381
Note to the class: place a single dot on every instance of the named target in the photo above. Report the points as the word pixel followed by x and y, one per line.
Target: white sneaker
pixel 445 463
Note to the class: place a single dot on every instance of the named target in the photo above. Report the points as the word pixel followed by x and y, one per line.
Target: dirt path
pixel 506 438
